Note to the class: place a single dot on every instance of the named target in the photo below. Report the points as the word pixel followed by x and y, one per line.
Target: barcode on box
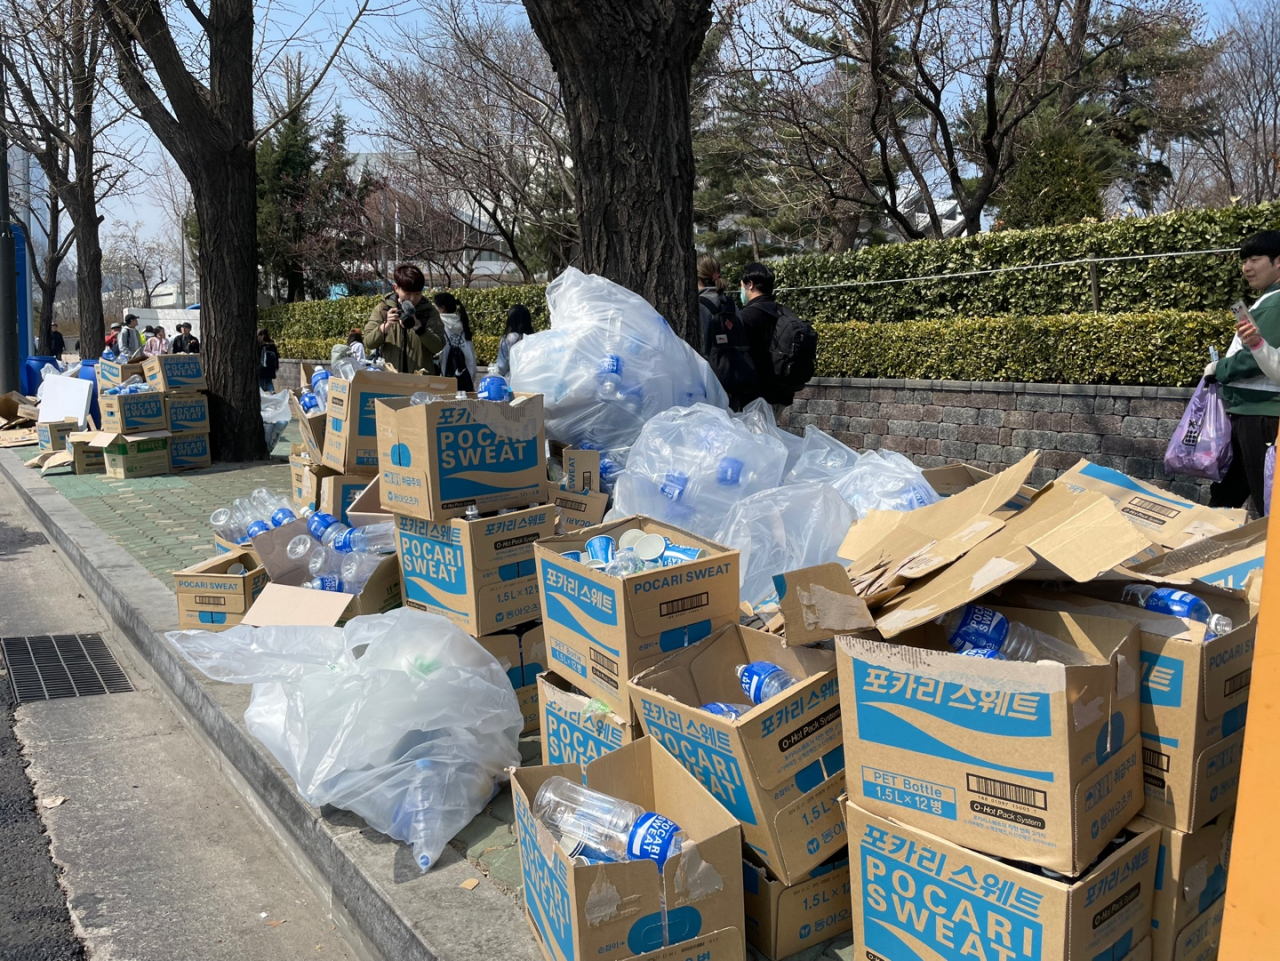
pixel 1004 791
pixel 607 663
pixel 1238 682
pixel 682 604
pixel 1155 507
pixel 1154 759
pixel 211 600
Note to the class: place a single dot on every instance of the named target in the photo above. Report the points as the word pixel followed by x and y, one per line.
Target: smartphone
pixel 1241 312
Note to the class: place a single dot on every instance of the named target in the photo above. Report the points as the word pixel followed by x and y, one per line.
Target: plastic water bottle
pixel 609 828
pixel 472 513
pixel 228 526
pixel 357 569
pixel 319 376
pixel 133 381
pixel 325 528
pixel 275 506
pixel 1169 600
pixel 324 561
pixel 300 548
pixel 762 680
pixel 624 562
pixel 255 520
pixel 609 373
pixel 108 354
pixel 326 582
pixel 344 369
pixel 714 495
pixel 725 709
pixel 973 626
pixel 373 539
pixel 424 397
pixel 311 403
pixel 494 387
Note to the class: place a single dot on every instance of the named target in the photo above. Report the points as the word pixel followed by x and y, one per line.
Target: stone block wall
pixel 992 425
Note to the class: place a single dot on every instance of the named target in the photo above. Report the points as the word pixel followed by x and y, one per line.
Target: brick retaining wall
pixel 992 425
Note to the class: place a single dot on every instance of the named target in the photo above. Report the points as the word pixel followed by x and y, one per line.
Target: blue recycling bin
pixel 89 372
pixel 32 373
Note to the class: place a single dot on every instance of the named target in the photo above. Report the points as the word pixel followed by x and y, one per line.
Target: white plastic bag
pixel 275 415
pixel 691 464
pixel 607 365
pixel 784 529
pixel 758 418
pixel 413 734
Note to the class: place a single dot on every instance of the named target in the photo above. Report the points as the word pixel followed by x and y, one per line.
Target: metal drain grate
pixel 61 665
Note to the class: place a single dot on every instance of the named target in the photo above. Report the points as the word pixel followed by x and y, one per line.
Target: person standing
pixel 519 326
pixel 129 341
pixel 458 358
pixel 1252 398
pixel 268 361
pixel 112 340
pixel 184 343
pixel 404 326
pixel 783 348
pixel 157 344
pixel 57 344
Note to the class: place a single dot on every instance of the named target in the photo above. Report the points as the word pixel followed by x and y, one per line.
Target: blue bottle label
pixel 319 523
pixel 981 627
pixel 723 709
pixel 1168 600
pixel 672 487
pixel 342 543
pixel 986 652
pixel 753 677
pixel 611 364
pixel 651 837
pixel 282 516
pixel 258 527
pixel 330 582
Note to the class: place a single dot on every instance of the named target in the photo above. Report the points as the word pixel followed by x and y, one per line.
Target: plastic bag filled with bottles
pixel 875 481
pixel 758 418
pixel 402 718
pixel 275 415
pixel 608 364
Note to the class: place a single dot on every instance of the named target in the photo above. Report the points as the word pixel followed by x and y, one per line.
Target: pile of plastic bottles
pixel 247 517
pixel 134 385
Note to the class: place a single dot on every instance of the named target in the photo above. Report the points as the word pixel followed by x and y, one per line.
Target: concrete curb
pixel 373 890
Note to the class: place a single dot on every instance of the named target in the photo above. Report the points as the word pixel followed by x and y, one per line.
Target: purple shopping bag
pixel 1201 446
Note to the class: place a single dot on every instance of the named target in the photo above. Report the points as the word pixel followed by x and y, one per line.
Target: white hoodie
pixel 454 337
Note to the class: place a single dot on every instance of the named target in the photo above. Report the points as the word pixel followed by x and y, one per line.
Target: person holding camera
pixel 405 327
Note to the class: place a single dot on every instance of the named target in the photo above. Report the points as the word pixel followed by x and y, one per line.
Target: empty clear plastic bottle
pixel 254 519
pixel 311 403
pixel 424 397
pixel 123 388
pixel 357 569
pixel 472 513
pixel 624 562
pixel 326 582
pixel 725 709
pixel 609 373
pixel 372 539
pixel 300 548
pixel 1169 600
pixel 324 527
pixel 344 369
pixel 323 560
pixel 613 829
pixel 227 525
pixel 275 506
pixel 973 626
pixel 762 680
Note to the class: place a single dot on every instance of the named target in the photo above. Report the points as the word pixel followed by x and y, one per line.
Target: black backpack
pixel 455 365
pixel 728 352
pixel 793 349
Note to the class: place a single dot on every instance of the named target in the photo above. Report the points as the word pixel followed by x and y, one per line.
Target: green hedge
pixel 1175 283
pixel 317 348
pixel 1169 348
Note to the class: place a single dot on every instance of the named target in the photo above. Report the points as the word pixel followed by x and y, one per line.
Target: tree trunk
pixel 226 205
pixel 624 75
pixel 84 215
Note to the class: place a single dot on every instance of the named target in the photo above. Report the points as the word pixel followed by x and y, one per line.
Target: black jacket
pixel 56 343
pixel 186 344
pixel 760 318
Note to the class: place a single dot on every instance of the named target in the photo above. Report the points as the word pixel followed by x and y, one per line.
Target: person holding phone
pixel 1250 394
pixel 405 326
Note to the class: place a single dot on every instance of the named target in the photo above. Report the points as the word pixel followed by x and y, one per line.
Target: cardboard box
pixel 918 896
pixel 1169 521
pixel 779 769
pixel 367 509
pixel 479 574
pixel 1224 559
pixel 603 630
pixel 436 460
pixel 112 373
pixel 305 476
pixel 133 413
pixel 84 459
pixel 1039 762
pixel 1195 697
pixel 312 425
pixel 783 920
pixel 190 452
pixel 1191 878
pixel 624 917
pixel 53 435
pixel 187 413
pixel 339 491
pixel 953 479
pixel 579 510
pixel 133 455
pixel 577 729
pixel 519 653
pixel 351 437
pixel 175 372
pixel 211 599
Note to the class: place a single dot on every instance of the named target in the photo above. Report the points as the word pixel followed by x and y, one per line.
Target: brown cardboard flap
pixel 723 945
pixel 818 603
pixel 280 605
pixel 272 547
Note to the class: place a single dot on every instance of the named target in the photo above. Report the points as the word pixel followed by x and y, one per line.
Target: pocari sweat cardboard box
pixel 615 910
pixel 919 897
pixel 351 434
pixel 133 455
pixel 133 413
pixel 112 373
pixel 1191 879
pixel 311 425
pixel 783 920
pixel 1195 696
pixel 190 452
pixel 479 574
pixel 1036 761
pixel 212 599
pixel 577 729
pixel 339 491
pixel 1226 559
pixel 367 509
pixel 603 630
pixel 187 413
pixel 175 372
pixel 52 435
pixel 436 460
pixel 779 768
pixel 520 652
pixel 304 476
pixel 579 510
pixel 85 460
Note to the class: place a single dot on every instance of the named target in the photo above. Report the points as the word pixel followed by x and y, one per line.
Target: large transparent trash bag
pixel 607 365
pixel 884 481
pixel 401 718
pixel 821 458
pixel 784 529
pixel 275 415
pixel 691 464
pixel 758 418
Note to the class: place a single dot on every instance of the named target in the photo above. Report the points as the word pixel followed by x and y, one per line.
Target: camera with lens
pixel 408 315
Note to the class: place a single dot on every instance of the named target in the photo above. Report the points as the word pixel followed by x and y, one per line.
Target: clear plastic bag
pixel 758 418
pixel 821 458
pixel 275 415
pixel 782 530
pixel 1201 444
pixel 691 464
pixel 401 718
pixel 608 364
pixel 875 481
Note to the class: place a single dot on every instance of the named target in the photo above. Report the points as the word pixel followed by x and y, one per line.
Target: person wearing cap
pixel 184 343
pixel 57 343
pixel 113 338
pixel 130 340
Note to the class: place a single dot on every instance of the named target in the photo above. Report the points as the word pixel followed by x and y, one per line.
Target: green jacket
pixel 1245 389
pixel 406 350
